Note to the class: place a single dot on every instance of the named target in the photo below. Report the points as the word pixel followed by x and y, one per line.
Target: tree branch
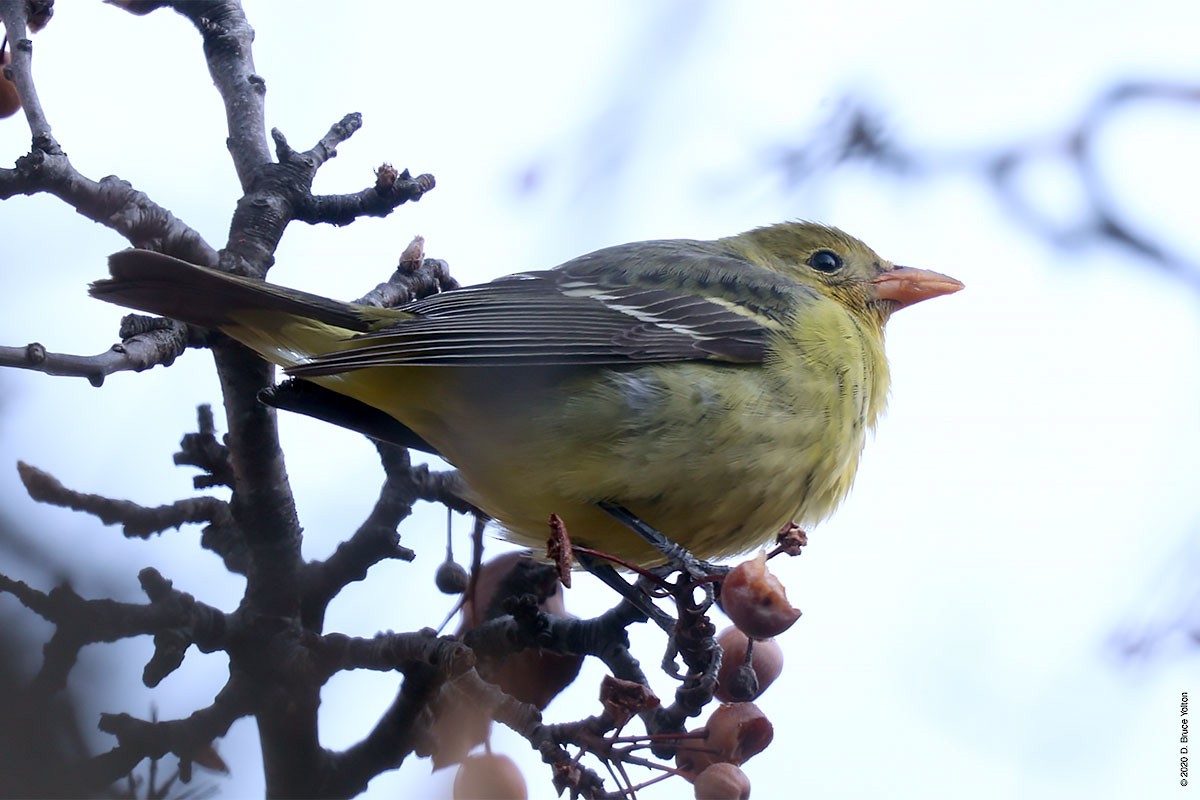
pixel 415 277
pixel 148 342
pixel 403 652
pixel 376 539
pixel 391 189
pixel 14 15
pixel 228 40
pixel 174 616
pixel 282 192
pixel 201 449
pixel 137 521
pixel 139 739
pixel 401 730
pixel 111 202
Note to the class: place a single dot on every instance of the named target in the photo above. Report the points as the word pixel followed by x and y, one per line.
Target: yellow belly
pixel 715 464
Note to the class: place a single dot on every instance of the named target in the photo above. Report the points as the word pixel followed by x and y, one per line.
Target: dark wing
pixel 644 302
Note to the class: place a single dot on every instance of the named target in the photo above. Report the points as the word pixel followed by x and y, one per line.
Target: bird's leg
pixel 678 557
pixel 634 593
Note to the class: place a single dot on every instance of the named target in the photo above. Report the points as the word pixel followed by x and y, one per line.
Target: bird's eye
pixel 825 261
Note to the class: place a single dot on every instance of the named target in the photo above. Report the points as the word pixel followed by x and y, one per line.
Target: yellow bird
pixel 714 389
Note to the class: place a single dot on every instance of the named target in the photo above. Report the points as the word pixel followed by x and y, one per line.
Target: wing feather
pixel 648 302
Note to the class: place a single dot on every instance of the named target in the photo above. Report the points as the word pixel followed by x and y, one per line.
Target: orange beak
pixel 907 285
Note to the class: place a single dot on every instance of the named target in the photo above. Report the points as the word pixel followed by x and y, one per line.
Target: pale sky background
pixel 1030 496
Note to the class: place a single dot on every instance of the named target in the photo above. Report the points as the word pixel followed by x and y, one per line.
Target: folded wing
pixel 649 302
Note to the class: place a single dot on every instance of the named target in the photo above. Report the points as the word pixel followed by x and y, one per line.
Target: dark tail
pixel 160 284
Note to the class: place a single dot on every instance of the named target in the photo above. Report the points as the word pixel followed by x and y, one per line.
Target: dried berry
pixel 489 776
pixel 451 578
pixel 722 782
pixel 738 681
pixel 734 733
pixel 755 600
pixel 530 675
pixel 10 101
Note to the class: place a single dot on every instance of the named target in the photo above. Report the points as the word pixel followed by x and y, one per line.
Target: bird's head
pixel 836 263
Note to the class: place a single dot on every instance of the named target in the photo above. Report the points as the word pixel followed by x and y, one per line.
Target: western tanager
pixel 715 389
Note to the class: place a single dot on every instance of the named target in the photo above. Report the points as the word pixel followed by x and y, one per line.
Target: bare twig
pixel 160 341
pixel 376 201
pixel 376 539
pixel 137 521
pixel 403 729
pixel 14 15
pixel 112 202
pixel 415 277
pixel 201 449
pixel 402 652
pixel 174 616
pixel 140 739
pixel 282 192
